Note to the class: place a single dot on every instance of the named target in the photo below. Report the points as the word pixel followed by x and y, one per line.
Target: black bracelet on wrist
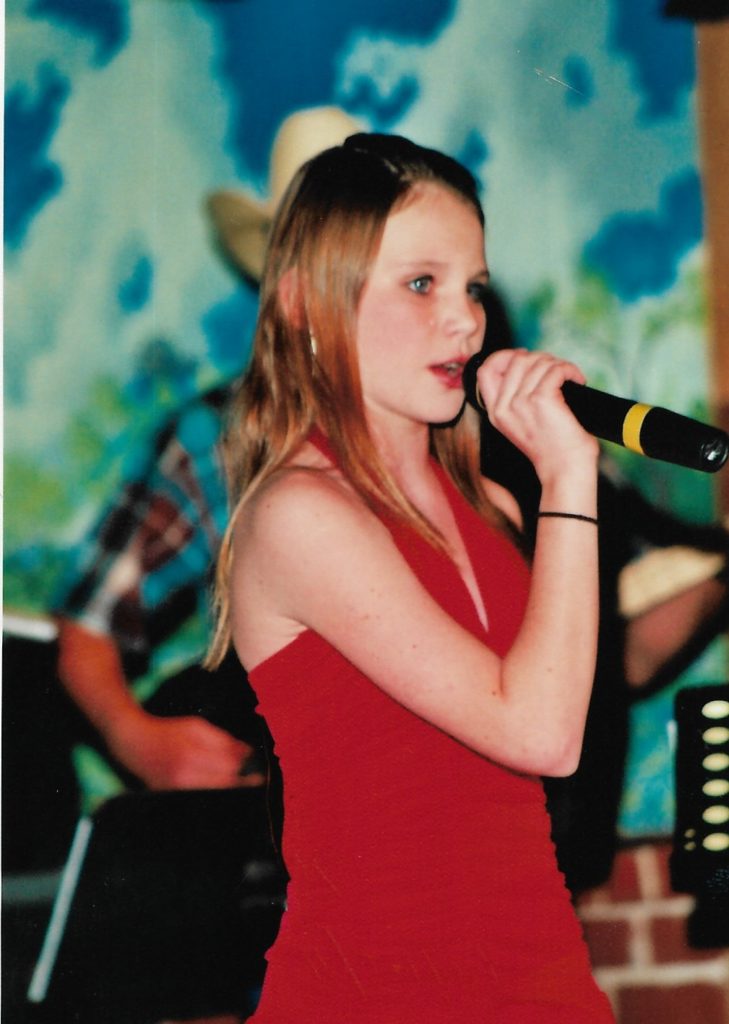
pixel 567 515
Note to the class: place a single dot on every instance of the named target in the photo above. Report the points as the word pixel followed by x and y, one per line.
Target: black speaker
pixel 700 856
pixel 166 907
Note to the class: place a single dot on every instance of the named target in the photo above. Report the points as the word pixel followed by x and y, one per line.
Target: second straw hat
pixel 242 222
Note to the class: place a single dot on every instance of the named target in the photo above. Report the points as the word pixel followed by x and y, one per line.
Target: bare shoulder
pixel 300 501
pixel 302 513
pixel 504 501
pixel 307 553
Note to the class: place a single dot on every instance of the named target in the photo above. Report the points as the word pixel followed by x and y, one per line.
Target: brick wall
pixel 635 927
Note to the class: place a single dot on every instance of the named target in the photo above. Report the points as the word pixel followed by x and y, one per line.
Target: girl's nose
pixel 465 317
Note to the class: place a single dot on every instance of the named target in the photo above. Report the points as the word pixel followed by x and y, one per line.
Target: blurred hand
pixel 182 753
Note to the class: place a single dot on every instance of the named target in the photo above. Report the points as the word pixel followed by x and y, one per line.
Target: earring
pixel 312 344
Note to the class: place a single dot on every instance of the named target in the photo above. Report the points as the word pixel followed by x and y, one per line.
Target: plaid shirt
pixel 143 575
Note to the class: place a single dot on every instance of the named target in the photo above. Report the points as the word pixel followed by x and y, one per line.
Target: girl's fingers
pixel 518 373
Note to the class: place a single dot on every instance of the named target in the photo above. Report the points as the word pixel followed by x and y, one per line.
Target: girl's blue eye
pixel 421 285
pixel 477 291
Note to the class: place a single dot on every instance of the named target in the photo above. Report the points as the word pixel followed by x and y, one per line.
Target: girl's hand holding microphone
pixel 522 394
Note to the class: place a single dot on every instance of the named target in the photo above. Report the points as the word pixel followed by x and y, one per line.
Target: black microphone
pixel 647 429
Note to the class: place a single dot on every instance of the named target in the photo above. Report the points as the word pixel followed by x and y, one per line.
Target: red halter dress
pixel 424 887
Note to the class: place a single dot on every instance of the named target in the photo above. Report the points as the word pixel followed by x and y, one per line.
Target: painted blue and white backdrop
pixel 578 120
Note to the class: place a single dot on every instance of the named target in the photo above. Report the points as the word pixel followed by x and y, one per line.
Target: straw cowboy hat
pixel 663 573
pixel 242 222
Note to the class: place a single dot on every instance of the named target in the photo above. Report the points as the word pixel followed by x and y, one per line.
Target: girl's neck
pixel 405 452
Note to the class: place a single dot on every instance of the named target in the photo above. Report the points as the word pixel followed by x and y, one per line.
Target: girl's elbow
pixel 563 758
pixel 553 752
pixel 562 769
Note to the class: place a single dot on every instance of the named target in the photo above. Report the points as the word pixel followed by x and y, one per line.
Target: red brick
pixel 607 942
pixel 662 854
pixel 684 1004
pixel 670 942
pixel 624 883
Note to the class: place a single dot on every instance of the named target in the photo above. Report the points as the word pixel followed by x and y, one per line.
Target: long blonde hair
pixel 304 369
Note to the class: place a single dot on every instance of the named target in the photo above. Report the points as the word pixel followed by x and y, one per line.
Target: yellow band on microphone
pixel 632 426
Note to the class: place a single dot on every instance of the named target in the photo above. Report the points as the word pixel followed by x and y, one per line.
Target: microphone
pixel 647 429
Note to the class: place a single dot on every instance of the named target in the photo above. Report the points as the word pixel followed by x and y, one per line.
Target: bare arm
pixel 165 753
pixel 339 572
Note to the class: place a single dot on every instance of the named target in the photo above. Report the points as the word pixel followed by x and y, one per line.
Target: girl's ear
pixel 289 295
